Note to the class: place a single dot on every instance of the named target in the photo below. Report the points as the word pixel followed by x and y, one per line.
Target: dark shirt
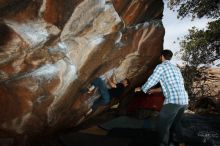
pixel 116 92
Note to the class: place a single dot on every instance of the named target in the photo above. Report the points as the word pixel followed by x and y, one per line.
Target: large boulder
pixel 51 49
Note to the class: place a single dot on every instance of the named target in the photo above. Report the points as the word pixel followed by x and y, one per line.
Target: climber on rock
pixel 116 90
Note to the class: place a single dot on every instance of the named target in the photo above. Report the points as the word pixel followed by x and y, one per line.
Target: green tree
pixel 202 46
pixel 196 8
pixel 198 46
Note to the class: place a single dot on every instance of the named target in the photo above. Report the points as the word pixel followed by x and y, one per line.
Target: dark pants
pixel 170 116
pixel 103 90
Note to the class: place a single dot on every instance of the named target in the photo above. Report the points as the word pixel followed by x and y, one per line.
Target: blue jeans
pixel 103 90
pixel 170 115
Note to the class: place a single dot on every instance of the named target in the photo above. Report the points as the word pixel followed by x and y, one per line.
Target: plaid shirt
pixel 171 81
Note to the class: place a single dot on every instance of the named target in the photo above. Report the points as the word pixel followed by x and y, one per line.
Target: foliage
pixel 199 46
pixel 202 46
pixel 196 8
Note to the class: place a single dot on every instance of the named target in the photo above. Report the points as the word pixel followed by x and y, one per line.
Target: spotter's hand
pixel 138 89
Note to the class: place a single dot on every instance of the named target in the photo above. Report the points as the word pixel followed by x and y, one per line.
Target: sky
pixel 177 28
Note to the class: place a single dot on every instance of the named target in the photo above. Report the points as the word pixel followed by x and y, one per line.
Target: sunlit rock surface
pixel 51 49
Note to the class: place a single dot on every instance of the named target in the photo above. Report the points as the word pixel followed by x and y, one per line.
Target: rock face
pixel 51 49
pixel 207 89
pixel 213 80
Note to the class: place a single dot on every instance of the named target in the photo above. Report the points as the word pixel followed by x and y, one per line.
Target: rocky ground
pixel 199 130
